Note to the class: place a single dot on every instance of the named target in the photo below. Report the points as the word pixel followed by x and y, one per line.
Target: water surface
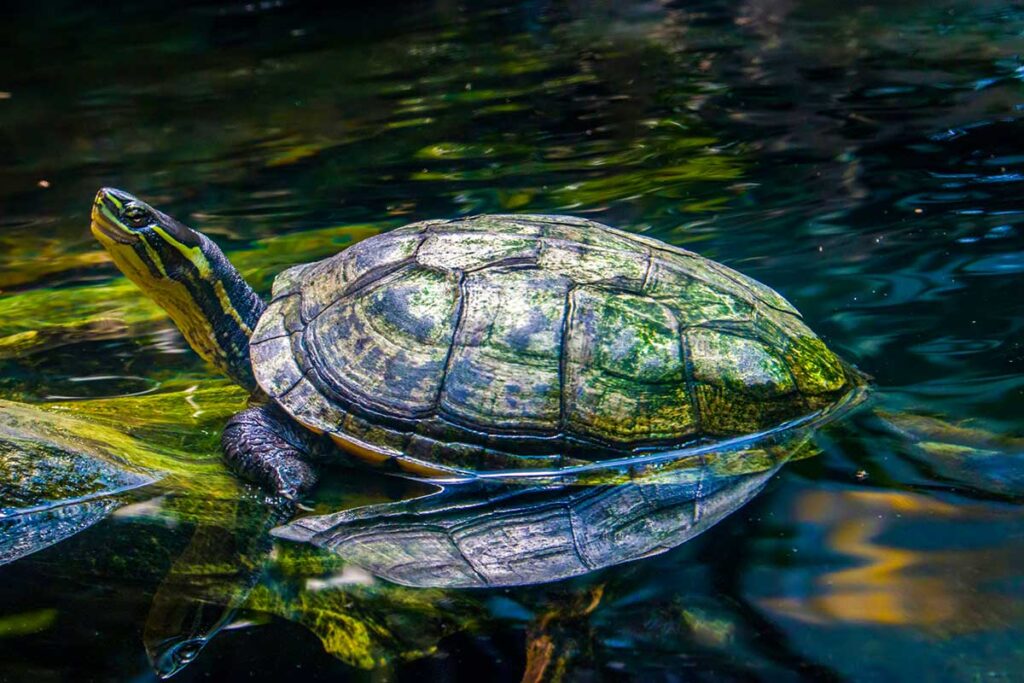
pixel 865 160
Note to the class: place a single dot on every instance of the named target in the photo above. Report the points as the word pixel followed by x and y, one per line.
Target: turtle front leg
pixel 264 446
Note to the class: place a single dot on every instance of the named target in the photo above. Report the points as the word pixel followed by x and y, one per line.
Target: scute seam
pixel 280 397
pixel 511 262
pixel 466 559
pixel 563 361
pixel 460 308
pixel 362 283
pixel 575 533
pixel 647 272
pixel 689 378
pixel 724 272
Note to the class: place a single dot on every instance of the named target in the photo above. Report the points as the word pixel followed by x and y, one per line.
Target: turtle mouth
pixel 104 221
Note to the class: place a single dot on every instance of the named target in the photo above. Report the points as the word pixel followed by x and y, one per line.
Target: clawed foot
pixel 265 447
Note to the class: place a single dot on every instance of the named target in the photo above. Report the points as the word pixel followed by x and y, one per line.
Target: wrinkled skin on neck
pixel 188 275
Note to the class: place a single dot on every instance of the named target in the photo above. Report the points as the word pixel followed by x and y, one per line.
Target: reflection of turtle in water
pixel 483 346
pixel 479 535
pixel 486 536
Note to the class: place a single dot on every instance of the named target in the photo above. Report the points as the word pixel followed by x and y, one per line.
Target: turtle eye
pixel 136 215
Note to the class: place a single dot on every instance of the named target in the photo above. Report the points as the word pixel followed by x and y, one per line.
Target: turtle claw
pixel 293 478
pixel 266 448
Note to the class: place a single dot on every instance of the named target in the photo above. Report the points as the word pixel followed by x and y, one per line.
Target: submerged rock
pixel 58 476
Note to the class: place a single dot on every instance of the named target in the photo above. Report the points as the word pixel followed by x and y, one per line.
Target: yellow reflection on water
pixel 877 577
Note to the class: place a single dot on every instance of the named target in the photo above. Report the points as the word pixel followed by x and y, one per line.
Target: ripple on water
pixel 953 346
pixel 100 386
pixel 998 264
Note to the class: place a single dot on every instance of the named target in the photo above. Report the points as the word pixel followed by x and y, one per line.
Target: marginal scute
pixel 725 413
pixel 274 365
pixel 364 430
pixel 289 280
pixel 537 342
pixel 272 324
pixel 311 407
pixel 469 457
pixel 816 369
pixel 275 349
pixel 654 244
pixel 764 293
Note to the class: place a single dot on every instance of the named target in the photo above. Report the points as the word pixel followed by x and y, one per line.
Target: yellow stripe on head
pixel 193 254
pixel 186 274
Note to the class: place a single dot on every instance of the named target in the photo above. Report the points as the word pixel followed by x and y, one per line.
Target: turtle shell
pixel 493 343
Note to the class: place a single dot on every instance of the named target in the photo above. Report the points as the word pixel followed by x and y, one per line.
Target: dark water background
pixel 865 160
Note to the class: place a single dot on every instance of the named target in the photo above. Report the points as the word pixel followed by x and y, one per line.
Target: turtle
pixel 487 346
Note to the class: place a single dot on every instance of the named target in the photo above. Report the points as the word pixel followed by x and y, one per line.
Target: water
pixel 864 160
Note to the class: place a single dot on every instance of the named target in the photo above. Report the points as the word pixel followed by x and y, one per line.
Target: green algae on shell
pixel 497 343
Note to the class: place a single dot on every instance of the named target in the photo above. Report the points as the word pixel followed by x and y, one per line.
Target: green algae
pixel 13 625
pixel 366 624
pixel 39 319
pixel 815 368
pixel 172 435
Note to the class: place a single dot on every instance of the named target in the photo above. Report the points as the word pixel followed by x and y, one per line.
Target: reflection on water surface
pixel 862 159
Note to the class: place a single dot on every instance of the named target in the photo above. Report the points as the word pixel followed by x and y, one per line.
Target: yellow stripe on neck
pixel 173 297
pixel 198 259
pixel 229 308
pixel 194 254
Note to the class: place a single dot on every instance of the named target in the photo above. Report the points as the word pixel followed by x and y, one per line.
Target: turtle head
pixel 122 220
pixel 184 272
